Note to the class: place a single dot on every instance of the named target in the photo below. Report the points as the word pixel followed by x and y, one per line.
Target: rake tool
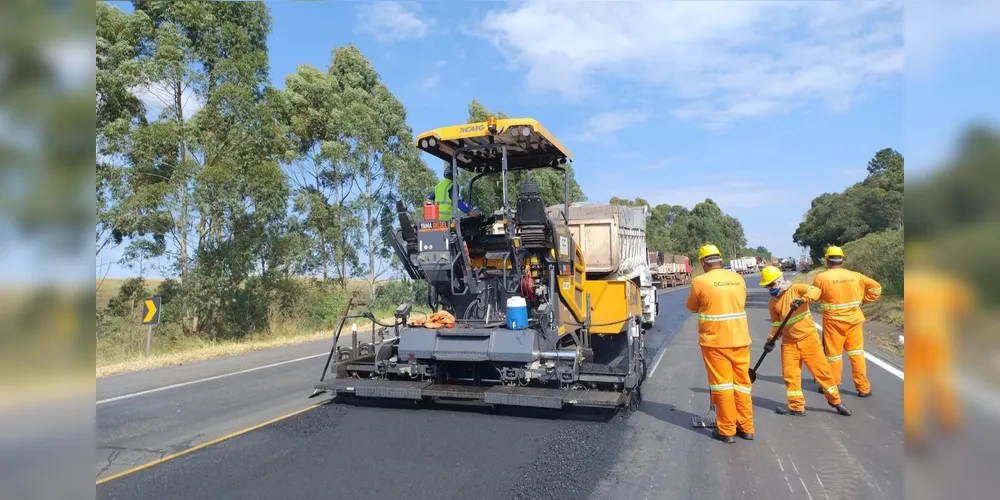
pixel 709 420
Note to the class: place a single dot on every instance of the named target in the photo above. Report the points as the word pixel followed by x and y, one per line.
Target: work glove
pixel 797 303
pixel 768 346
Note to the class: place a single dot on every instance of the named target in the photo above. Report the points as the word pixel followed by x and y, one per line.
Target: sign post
pixel 150 317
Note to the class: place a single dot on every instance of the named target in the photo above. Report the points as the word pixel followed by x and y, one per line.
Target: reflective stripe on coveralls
pixel 859 352
pixel 839 306
pixel 793 319
pixel 722 317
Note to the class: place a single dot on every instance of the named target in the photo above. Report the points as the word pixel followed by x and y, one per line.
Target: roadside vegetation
pixel 314 308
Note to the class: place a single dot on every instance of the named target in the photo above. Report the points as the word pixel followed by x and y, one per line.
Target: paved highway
pixel 361 452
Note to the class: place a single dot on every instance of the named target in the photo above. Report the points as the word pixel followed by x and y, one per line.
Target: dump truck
pixel 521 317
pixel 750 264
pixel 670 270
pixel 613 241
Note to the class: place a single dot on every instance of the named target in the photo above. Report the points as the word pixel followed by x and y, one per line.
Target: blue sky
pixel 759 106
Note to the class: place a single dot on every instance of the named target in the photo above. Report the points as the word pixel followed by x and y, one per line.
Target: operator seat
pixel 533 224
pixel 530 207
pixel 407 227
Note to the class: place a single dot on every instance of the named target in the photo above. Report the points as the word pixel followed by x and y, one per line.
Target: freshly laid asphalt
pixel 360 452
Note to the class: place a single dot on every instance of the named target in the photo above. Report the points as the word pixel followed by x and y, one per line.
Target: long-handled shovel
pixel 753 371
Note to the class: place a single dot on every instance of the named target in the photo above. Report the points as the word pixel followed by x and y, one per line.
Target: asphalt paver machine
pixel 530 327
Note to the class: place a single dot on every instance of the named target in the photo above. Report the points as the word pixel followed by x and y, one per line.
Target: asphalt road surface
pixel 360 452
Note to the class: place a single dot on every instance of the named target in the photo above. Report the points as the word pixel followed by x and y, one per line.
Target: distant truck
pixel 738 266
pixel 669 270
pixel 750 264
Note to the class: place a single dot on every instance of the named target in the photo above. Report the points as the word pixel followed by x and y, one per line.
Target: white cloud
pixel 158 97
pixel 603 126
pixel 430 82
pixel 723 61
pixel 391 21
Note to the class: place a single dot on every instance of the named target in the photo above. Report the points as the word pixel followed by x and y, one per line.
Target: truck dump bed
pixel 612 237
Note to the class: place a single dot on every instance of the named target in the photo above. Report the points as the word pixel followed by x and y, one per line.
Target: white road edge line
pixel 885 366
pixel 656 363
pixel 216 377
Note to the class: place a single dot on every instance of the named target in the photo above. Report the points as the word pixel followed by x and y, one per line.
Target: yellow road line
pixel 204 445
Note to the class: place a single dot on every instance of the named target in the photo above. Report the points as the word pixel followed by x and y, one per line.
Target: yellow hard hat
pixel 708 250
pixel 768 275
pixel 834 252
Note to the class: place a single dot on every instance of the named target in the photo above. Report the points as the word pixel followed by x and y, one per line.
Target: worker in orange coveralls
pixel 799 341
pixel 719 298
pixel 933 301
pixel 842 293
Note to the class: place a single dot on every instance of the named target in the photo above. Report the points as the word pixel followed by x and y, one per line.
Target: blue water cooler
pixel 517 313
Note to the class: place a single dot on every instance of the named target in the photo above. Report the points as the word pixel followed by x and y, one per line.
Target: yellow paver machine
pixel 531 326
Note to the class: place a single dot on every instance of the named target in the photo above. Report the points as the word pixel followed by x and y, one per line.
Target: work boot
pixel 724 439
pixel 841 409
pixel 785 410
pixel 744 435
pixel 865 394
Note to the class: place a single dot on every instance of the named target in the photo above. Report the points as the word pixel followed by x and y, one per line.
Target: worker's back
pixel 843 292
pixel 719 297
